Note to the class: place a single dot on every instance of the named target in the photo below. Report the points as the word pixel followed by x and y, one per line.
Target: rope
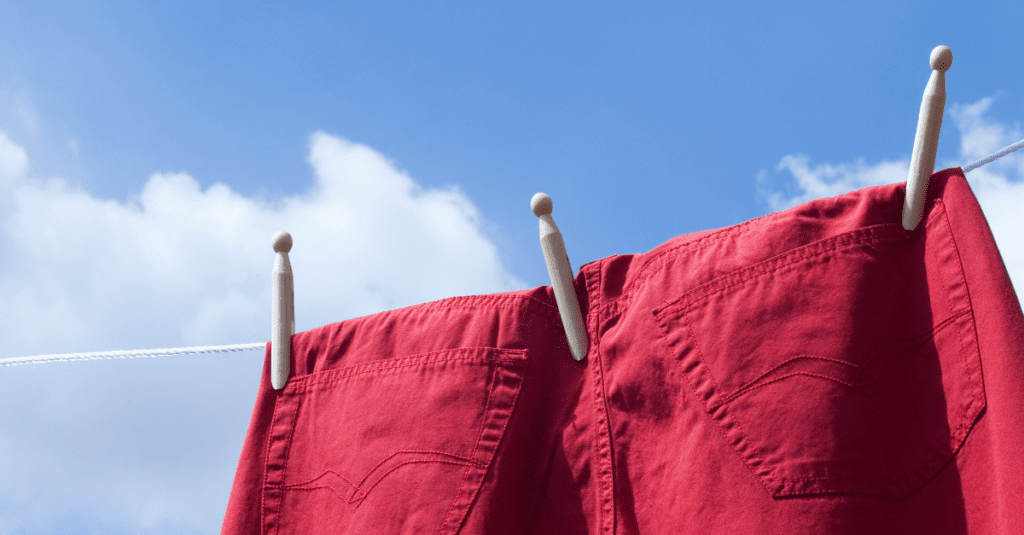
pixel 994 156
pixel 138 353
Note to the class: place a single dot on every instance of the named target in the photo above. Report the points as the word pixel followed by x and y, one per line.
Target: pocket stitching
pixel 880 233
pixel 492 380
pixel 753 384
pixel 500 363
pixel 747 447
pixel 941 454
pixel 360 490
pixel 510 357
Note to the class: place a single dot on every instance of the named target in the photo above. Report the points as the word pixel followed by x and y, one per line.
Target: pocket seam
pixel 492 380
pixel 880 233
pixel 511 357
pixel 747 445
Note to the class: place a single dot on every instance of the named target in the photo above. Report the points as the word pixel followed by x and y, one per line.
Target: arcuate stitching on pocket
pixel 860 369
pixel 360 490
pixel 502 366
pixel 753 385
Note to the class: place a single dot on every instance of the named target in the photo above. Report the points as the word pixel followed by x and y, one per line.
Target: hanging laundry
pixel 816 370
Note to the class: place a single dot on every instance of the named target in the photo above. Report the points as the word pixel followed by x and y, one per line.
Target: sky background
pixel 149 151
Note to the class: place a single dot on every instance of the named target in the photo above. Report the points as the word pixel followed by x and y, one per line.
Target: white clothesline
pixel 138 353
pixel 994 156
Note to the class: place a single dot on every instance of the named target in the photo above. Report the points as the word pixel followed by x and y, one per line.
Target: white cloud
pixel 156 441
pixel 827 180
pixel 197 263
pixel 999 186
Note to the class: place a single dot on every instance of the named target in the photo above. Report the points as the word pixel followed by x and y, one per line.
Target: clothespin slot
pixel 283 313
pixel 926 140
pixel 560 271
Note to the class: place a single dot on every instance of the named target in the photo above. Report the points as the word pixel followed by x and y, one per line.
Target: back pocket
pixel 849 365
pixel 400 445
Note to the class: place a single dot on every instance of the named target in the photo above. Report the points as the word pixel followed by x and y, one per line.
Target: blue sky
pixel 149 151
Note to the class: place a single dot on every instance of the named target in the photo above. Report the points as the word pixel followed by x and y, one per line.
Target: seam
pixel 491 386
pixel 924 336
pixel 266 464
pixel 603 443
pixel 465 460
pixel 961 279
pixel 395 454
pixel 403 463
pixel 938 455
pixel 890 230
pixel 313 480
pixel 473 302
pixel 287 455
pixel 704 291
pixel 486 467
pixel 393 368
pixel 753 383
pixel 697 244
pixel 949 298
pixel 747 445
pixel 510 357
pixel 978 394
pixel 700 354
pixel 358 494
pixel 733 397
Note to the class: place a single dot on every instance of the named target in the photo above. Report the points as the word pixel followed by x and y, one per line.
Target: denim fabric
pixel 817 370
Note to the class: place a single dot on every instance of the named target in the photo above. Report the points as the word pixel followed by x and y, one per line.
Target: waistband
pixel 610 285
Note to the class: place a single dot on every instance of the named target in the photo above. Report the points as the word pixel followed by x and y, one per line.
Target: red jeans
pixel 818 370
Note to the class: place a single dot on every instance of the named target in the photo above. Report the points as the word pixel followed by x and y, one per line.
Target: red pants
pixel 818 370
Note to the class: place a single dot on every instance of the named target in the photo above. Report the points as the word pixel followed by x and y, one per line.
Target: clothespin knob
pixel 282 242
pixel 941 58
pixel 541 204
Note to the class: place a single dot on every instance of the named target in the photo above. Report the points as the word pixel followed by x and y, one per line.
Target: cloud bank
pixel 150 446
pixel 999 186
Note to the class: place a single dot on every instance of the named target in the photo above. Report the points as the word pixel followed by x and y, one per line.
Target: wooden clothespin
pixel 926 141
pixel 283 314
pixel 560 271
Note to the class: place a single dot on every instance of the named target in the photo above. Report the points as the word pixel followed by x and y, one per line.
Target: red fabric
pixel 818 370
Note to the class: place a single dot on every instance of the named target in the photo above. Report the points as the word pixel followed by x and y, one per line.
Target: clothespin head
pixel 541 205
